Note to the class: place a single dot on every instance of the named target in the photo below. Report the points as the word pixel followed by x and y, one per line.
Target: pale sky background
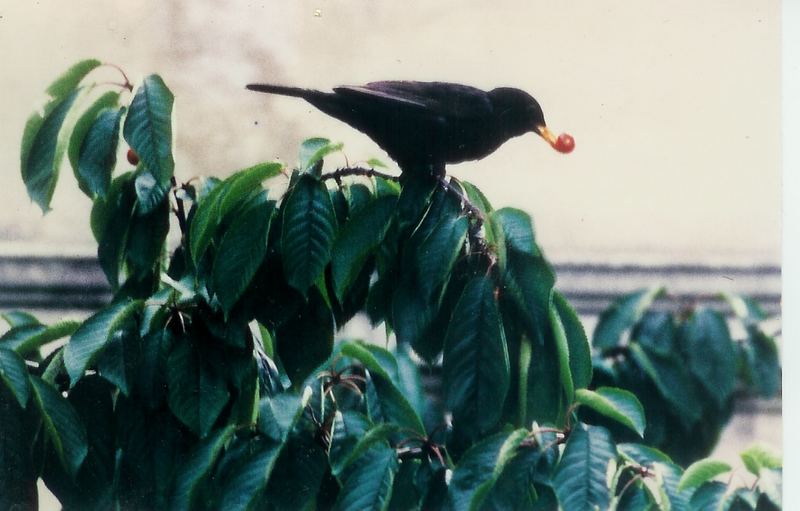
pixel 675 106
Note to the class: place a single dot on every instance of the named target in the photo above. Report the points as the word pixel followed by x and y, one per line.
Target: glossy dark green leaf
pixel 41 150
pixel 91 338
pixel 18 477
pixel 27 339
pixel 241 251
pixel 98 152
pixel 641 454
pixel 17 318
pixel 479 469
pixel 62 425
pixel 41 163
pixel 414 200
pixel 476 366
pixel 278 414
pixel 514 489
pixel 357 240
pixel 621 316
pixel 670 474
pixel 197 394
pixel 195 469
pixel 761 362
pixel 348 428
pixel 14 375
pixel 377 435
pixel 144 245
pixel 148 131
pixel 580 479
pixel 702 471
pixel 710 497
pixel 306 340
pixel 562 353
pixel 673 381
pixel 308 232
pixel 368 486
pixel 406 496
pixel 241 490
pixel 580 356
pixel 111 219
pixel 241 186
pixel 297 475
pixel 313 150
pixel 108 100
pixel 617 404
pixel 711 353
pixel 393 403
pixel 655 332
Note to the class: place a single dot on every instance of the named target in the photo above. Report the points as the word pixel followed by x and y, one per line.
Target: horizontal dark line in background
pixel 77 283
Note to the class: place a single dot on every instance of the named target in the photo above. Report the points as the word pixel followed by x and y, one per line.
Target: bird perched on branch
pixel 425 125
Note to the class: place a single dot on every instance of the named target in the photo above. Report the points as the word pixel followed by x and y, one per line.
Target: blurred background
pixel 675 108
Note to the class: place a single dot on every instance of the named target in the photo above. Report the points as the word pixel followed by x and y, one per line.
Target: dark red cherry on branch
pixel 133 158
pixel 565 143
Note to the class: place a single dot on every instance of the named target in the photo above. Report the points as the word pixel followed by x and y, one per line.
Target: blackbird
pixel 426 125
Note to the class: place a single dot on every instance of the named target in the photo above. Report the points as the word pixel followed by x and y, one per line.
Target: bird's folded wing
pixel 452 101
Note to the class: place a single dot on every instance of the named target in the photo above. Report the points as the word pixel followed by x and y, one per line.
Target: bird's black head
pixel 518 112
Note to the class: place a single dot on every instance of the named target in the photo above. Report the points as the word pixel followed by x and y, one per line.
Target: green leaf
pixel 375 162
pixel 297 475
pixel 306 340
pixel 712 356
pixel 27 339
pixel 309 229
pixel 41 150
pixel 196 394
pixel 15 375
pixel 357 240
pixel 562 353
pixel 655 332
pixel 415 197
pixel 702 471
pixel 435 244
pixel 111 219
pixel 617 404
pixel 91 338
pixel 479 469
pixel 62 425
pixel 313 150
pixel 580 478
pixel 144 245
pixel 761 362
pixel 673 381
pixel 621 316
pixel 475 369
pixel 242 250
pixel 379 434
pixel 19 318
pixel 196 468
pixel 240 492
pixel 95 147
pixel 368 485
pixel 642 454
pixel 745 308
pixel 580 355
pixel 278 415
pixel 394 404
pixel 669 473
pixel 69 79
pixel 148 131
pixel 42 159
pixel 710 497
pixel 759 456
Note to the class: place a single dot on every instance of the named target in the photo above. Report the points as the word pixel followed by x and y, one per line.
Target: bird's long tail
pixel 283 90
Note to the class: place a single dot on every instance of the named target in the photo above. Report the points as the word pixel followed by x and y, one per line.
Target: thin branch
pixel 180 212
pixel 358 171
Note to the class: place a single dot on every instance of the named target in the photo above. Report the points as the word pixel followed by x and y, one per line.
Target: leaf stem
pixel 127 83
pixel 180 211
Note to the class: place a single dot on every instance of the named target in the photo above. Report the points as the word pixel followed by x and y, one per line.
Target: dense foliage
pixel 213 379
pixel 685 368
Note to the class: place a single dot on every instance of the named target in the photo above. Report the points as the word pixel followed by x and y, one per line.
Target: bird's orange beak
pixel 563 143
